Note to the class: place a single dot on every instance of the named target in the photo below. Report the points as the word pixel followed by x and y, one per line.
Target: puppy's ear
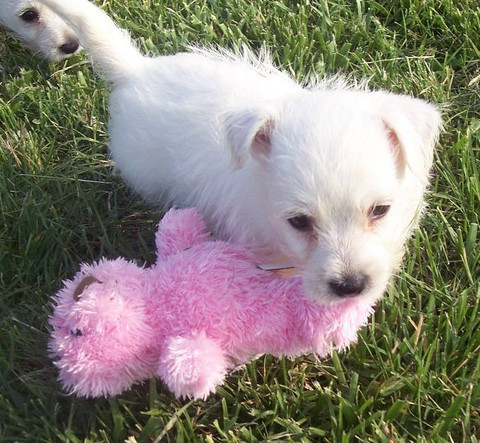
pixel 249 132
pixel 412 127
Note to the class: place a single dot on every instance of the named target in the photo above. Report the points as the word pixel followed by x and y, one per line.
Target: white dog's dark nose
pixel 349 286
pixel 70 47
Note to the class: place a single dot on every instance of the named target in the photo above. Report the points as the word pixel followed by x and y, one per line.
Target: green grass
pixel 415 373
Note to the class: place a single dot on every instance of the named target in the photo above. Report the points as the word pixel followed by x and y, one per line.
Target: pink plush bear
pixel 201 310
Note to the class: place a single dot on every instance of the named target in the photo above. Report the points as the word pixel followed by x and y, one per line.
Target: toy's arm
pixel 192 367
pixel 340 325
pixel 179 229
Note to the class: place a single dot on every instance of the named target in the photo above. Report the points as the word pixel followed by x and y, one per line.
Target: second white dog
pixel 39 28
pixel 328 177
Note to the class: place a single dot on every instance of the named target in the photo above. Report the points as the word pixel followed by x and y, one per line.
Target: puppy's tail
pixel 111 48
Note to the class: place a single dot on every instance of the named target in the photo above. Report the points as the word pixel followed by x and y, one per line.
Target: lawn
pixel 414 375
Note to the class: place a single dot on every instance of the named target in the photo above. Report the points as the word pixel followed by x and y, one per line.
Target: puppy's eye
pixel 30 16
pixel 378 211
pixel 301 222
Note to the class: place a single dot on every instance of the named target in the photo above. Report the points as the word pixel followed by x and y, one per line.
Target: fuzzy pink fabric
pixel 202 309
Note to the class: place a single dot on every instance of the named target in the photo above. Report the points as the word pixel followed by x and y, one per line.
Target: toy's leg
pixel 192 366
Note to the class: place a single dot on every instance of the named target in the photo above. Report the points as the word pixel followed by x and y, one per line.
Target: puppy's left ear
pixel 249 132
pixel 412 126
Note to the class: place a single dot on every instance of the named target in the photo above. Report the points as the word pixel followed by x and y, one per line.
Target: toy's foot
pixel 192 366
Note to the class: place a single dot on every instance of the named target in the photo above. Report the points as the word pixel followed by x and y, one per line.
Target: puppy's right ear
pixel 249 132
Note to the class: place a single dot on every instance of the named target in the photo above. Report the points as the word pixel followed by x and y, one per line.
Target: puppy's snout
pixel 350 285
pixel 70 47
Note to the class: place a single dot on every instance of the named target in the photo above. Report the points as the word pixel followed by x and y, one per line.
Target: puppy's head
pixel 343 174
pixel 39 28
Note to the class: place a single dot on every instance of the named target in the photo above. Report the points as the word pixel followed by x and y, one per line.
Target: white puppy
pixel 329 177
pixel 39 28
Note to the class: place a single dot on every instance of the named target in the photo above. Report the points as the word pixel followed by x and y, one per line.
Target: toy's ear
pixel 84 283
pixel 178 230
pixel 412 127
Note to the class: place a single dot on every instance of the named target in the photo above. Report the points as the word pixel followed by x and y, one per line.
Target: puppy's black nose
pixel 350 285
pixel 70 47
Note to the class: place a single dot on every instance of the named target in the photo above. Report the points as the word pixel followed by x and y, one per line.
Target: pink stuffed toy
pixel 201 310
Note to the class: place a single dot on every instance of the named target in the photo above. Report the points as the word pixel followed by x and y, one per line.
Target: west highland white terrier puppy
pixel 329 177
pixel 39 28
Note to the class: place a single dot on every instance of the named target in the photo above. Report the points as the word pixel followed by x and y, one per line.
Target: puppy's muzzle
pixel 349 285
pixel 70 47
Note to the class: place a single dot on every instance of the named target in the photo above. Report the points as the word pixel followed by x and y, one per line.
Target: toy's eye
pixel 76 333
pixel 301 223
pixel 30 16
pixel 378 211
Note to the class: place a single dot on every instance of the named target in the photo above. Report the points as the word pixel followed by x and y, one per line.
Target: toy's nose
pixel 349 286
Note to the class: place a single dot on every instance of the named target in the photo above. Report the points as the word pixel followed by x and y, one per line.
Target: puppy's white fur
pixel 253 149
pixel 47 33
